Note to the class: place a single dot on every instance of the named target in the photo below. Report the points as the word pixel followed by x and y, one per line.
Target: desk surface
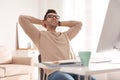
pixel 93 68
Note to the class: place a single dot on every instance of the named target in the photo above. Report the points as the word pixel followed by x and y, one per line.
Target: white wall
pixel 9 12
pixel 51 4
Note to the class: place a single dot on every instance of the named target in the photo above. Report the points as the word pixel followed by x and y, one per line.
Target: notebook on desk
pixel 70 63
pixel 63 63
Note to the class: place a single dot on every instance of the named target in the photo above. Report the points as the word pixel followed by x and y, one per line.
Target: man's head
pixel 51 19
pixel 49 11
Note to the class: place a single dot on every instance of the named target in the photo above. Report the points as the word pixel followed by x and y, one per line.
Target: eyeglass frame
pixel 53 16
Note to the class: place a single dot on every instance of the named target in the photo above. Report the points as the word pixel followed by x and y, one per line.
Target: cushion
pixel 14 69
pixel 2 72
pixel 5 55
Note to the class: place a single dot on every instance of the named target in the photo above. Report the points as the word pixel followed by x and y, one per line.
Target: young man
pixel 52 45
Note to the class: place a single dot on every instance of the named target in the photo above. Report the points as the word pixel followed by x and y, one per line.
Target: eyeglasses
pixel 53 16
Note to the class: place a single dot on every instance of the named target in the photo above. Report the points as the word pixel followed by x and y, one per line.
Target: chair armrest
pixel 23 60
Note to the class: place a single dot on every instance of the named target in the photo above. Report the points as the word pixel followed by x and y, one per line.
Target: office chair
pixel 42 72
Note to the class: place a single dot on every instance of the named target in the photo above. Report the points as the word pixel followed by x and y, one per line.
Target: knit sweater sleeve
pixel 30 29
pixel 72 32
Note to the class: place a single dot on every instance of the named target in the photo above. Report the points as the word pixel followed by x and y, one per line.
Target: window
pixel 23 41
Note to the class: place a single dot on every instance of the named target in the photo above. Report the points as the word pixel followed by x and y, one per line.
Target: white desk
pixel 94 68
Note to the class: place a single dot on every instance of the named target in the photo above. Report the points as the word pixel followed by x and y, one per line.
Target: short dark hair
pixel 49 11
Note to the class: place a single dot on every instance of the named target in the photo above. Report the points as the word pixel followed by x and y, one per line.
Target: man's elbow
pixel 21 18
pixel 79 24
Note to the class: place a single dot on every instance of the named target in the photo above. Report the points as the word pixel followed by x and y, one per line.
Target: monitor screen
pixel 110 34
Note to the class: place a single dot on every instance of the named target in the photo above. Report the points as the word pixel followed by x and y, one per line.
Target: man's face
pixel 52 20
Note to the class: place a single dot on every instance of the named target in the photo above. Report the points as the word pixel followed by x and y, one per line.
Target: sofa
pixel 15 68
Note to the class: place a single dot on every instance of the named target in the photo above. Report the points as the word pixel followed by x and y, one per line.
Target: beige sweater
pixel 53 46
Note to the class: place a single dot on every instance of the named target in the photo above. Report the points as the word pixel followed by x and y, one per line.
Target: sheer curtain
pixel 79 10
pixel 91 13
pixel 99 9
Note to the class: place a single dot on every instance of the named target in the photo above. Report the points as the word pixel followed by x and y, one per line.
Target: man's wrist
pixel 59 23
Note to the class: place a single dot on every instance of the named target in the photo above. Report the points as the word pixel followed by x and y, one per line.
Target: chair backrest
pixel 42 73
pixel 39 58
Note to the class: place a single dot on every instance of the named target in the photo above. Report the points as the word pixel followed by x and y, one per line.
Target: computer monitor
pixel 110 34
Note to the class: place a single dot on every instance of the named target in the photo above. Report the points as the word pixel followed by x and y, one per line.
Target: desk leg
pixel 106 76
pixel 78 77
pixel 38 73
pixel 86 77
